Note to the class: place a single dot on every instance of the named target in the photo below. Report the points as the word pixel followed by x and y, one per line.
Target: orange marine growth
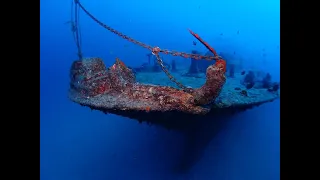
pixel 115 89
pixel 220 62
pixel 148 108
pixel 204 43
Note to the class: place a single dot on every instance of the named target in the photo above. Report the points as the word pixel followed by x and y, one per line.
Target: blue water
pixel 79 144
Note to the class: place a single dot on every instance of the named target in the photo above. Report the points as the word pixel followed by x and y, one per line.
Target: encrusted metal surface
pixel 115 88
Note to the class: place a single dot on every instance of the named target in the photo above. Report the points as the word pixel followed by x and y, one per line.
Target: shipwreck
pixel 119 90
pixel 197 103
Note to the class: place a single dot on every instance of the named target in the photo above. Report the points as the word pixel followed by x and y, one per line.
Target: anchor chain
pixel 165 70
pixel 75 26
pixel 156 50
pixel 165 51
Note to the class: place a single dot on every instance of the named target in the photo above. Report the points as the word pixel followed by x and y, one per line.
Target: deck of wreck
pixel 232 94
pixel 234 97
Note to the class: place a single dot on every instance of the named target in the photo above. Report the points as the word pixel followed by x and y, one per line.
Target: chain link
pixel 165 70
pixel 155 50
pixel 165 51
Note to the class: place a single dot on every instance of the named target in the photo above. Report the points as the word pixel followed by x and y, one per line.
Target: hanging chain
pixel 157 50
pixel 75 26
pixel 173 53
pixel 165 70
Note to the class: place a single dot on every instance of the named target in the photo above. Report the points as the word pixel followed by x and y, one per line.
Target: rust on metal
pixel 94 85
pixel 115 89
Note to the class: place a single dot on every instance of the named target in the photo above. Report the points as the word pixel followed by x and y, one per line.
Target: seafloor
pixel 230 96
